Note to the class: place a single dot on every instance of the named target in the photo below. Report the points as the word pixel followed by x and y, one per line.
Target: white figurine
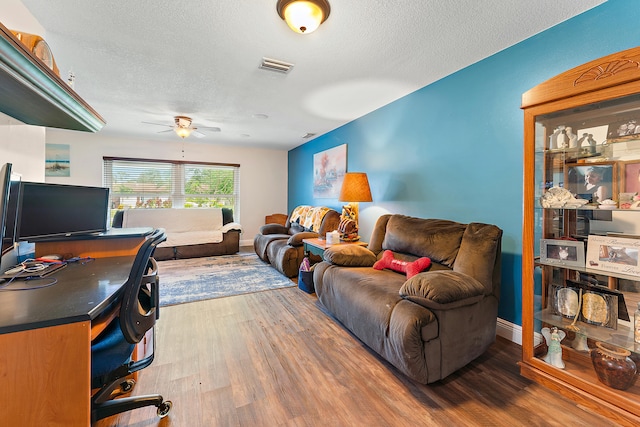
pixel 554 354
pixel 580 343
pixel 573 138
pixel 553 139
pixel 562 140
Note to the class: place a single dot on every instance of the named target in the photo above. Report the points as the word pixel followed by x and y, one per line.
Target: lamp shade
pixel 303 16
pixel 355 188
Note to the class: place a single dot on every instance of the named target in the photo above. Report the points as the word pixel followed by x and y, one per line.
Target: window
pixel 136 183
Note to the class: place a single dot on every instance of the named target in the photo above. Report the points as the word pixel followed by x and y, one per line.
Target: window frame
pixel 177 193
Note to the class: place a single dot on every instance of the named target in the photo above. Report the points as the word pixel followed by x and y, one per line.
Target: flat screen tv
pixel 56 210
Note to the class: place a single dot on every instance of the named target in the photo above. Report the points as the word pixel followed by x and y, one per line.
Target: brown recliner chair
pixel 281 245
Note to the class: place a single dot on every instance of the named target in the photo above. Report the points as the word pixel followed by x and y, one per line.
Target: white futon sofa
pixel 191 232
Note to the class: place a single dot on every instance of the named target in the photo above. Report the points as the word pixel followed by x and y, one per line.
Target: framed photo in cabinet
pixel 630 174
pixel 568 253
pixel 564 300
pixel 592 181
pixel 613 254
pixel 588 304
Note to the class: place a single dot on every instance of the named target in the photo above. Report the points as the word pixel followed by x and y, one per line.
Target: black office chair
pixel 112 350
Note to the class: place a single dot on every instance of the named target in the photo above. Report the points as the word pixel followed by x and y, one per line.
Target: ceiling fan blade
pixel 210 129
pixel 165 131
pixel 198 134
pixel 158 124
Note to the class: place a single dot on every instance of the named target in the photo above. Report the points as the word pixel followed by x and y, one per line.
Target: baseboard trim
pixel 509 331
pixel 246 242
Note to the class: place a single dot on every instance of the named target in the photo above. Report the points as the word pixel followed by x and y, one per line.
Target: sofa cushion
pixel 410 268
pixel 174 220
pixel 363 299
pixel 349 256
pixel 436 239
pixel 437 289
pixel 192 238
pixel 477 255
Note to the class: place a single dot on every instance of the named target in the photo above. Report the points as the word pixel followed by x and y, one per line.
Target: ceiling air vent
pixel 275 65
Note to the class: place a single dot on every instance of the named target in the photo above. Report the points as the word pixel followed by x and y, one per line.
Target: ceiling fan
pixel 183 128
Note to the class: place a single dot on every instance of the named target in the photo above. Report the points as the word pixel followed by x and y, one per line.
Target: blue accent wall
pixel 453 149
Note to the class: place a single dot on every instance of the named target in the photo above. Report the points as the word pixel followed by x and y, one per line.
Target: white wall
pixel 263 173
pixel 20 144
pixel 15 16
pixel 23 146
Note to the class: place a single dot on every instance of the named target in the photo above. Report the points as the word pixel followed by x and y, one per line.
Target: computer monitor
pixel 5 184
pixel 56 210
pixel 9 237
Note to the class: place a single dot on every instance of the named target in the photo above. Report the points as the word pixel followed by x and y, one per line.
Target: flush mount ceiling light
pixel 303 16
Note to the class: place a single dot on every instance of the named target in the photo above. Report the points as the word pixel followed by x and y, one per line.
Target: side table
pixel 317 246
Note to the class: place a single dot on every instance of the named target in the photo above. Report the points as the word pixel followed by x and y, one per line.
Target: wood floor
pixel 274 358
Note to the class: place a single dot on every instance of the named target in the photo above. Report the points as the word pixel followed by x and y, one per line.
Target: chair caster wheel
pixel 164 408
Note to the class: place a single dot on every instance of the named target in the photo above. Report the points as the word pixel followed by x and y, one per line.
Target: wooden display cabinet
pixel 601 99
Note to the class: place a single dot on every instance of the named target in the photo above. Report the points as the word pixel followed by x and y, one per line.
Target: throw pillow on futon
pixel 409 268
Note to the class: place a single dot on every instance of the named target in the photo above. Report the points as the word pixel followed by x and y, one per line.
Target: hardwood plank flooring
pixel 275 358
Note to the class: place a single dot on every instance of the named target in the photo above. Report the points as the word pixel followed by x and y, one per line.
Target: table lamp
pixel 355 189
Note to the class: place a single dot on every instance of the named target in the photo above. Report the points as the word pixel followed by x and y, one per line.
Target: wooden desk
pixel 45 340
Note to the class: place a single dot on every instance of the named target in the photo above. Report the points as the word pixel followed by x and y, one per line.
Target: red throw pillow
pixel 409 268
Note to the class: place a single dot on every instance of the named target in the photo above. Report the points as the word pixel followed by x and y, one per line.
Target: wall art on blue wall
pixel 329 167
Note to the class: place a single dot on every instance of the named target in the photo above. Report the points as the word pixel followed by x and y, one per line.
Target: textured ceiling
pixel 149 60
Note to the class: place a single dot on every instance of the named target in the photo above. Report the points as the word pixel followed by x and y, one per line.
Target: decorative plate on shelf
pixel 39 48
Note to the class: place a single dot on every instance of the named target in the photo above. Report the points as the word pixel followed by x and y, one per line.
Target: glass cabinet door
pixel 586 236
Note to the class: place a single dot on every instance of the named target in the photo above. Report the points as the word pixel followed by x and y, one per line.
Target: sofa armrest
pixel 231 226
pixel 273 229
pixel 296 239
pixel 350 256
pixel 442 289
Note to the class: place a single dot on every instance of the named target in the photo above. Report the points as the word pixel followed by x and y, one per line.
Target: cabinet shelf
pixel 579 372
pixel 588 270
pixel 32 93
pixel 621 337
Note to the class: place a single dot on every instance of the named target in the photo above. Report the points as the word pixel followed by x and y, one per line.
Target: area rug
pixel 196 279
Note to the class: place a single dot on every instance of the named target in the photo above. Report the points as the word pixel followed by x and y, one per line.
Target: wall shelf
pixel 32 93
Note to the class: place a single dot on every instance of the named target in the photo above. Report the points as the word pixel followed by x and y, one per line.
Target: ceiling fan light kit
pixel 183 126
pixel 303 16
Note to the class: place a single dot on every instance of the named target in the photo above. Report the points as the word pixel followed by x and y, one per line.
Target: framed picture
pixel 589 305
pixel 599 309
pixel 329 167
pixel 564 300
pixel 567 253
pixel 613 254
pixel 593 181
pixel 57 160
pixel 630 175
pixel 621 311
